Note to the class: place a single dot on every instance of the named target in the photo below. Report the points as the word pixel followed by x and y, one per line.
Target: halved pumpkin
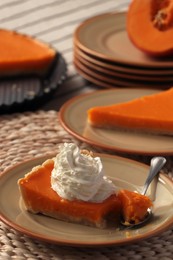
pixel 150 26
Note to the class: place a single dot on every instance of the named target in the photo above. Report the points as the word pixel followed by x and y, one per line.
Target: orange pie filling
pixel 134 206
pixel 21 54
pixel 39 197
pixel 152 113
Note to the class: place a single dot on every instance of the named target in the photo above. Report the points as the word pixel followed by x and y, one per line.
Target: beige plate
pixel 157 78
pixel 73 116
pixel 137 71
pixel 105 37
pixel 94 80
pixel 128 174
pixel 87 72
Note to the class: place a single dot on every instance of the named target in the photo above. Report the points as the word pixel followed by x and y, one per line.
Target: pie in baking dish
pixel 21 54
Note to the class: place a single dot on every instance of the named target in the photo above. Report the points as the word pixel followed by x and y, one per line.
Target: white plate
pixel 73 117
pixel 105 37
pixel 124 173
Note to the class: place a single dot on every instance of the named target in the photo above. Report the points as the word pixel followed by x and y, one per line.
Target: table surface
pixel 29 134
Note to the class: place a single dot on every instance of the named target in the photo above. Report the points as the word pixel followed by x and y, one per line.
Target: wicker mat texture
pixel 25 136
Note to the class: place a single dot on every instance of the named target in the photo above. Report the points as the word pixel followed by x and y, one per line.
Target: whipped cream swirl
pixel 78 175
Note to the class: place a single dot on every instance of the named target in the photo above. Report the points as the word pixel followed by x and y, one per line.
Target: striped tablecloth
pixel 26 135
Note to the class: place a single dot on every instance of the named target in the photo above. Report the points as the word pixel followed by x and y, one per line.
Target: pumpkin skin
pixel 150 26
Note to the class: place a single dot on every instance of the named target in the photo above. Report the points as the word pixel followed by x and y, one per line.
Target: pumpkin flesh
pixel 150 26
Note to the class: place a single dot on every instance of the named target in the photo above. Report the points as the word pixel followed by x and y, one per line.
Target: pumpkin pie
pixel 21 54
pixel 72 187
pixel 39 197
pixel 134 206
pixel 151 113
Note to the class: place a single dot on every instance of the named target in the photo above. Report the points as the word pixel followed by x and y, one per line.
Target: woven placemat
pixel 25 136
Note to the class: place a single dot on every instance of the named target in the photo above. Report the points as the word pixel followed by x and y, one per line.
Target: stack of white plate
pixel 104 55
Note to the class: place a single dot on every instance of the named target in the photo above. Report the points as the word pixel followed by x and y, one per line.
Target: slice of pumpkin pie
pixel 72 188
pixel 23 55
pixel 150 113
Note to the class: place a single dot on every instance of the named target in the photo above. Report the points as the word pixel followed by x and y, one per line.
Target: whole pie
pixel 21 54
pixel 150 113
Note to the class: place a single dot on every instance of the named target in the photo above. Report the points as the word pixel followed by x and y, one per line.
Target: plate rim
pixel 96 81
pixel 98 54
pixel 67 242
pixel 100 145
pixel 121 67
pixel 123 75
pixel 117 81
